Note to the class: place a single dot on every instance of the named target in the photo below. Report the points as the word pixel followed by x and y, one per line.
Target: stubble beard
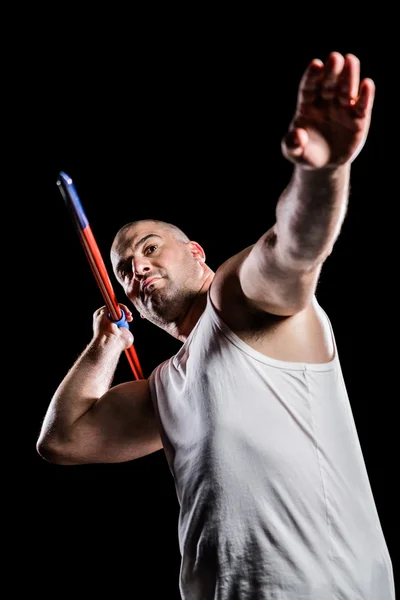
pixel 168 306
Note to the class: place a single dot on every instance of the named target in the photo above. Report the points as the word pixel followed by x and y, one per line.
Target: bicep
pixel 121 426
pixel 272 284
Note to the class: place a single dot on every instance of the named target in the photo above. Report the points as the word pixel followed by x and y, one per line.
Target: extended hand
pixel 333 113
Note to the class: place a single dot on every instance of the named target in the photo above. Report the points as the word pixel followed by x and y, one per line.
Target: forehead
pixel 132 236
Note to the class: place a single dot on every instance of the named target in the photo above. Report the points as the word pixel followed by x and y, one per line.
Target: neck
pixel 182 330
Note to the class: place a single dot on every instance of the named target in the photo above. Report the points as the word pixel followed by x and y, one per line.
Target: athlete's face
pixel 159 274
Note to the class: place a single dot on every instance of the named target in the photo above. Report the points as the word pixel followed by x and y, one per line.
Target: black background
pixel 189 133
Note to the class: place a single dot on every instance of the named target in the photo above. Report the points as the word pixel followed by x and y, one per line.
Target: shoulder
pixel 157 371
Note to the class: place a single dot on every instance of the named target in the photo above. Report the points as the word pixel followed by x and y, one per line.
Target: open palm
pixel 333 113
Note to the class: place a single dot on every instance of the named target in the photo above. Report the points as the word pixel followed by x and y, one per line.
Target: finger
pixel 99 311
pixel 125 308
pixel 127 312
pixel 332 70
pixel 349 80
pixel 363 104
pixel 309 83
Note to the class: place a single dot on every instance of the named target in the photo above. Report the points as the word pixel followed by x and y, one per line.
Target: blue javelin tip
pixel 66 178
pixel 71 198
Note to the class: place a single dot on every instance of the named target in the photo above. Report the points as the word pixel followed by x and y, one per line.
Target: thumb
pixel 294 143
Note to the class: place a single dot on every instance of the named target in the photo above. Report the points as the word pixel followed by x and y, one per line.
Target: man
pixel 252 411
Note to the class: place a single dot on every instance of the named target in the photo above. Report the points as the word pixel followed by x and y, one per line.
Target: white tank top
pixel 275 501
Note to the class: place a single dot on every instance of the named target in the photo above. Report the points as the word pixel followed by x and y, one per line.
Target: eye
pixel 150 249
pixel 124 272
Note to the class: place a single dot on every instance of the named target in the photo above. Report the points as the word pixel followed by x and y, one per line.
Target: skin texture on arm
pixel 327 132
pixel 88 421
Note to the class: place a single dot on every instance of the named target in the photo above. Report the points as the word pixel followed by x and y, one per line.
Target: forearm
pixel 88 379
pixel 310 213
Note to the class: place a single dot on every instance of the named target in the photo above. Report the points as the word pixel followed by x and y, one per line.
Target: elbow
pixel 45 452
pixel 53 453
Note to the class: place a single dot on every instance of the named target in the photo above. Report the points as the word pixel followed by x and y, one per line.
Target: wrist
pixel 322 172
pixel 106 343
pixel 324 178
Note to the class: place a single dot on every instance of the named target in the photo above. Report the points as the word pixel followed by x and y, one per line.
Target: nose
pixel 140 267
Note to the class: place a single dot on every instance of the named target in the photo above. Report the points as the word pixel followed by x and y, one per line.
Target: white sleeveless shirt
pixel 275 500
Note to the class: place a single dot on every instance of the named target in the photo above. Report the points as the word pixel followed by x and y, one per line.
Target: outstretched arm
pixel 327 132
pixel 89 421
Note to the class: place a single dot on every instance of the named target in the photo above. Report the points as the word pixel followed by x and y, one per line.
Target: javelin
pixel 115 313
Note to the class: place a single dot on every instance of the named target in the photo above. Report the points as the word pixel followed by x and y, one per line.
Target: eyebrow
pixel 142 241
pixel 136 247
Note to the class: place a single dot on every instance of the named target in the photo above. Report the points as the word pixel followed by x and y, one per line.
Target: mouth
pixel 148 283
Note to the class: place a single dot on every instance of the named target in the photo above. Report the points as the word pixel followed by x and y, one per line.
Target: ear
pixel 197 251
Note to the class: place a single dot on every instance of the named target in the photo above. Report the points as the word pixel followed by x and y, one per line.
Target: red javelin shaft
pixel 96 262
